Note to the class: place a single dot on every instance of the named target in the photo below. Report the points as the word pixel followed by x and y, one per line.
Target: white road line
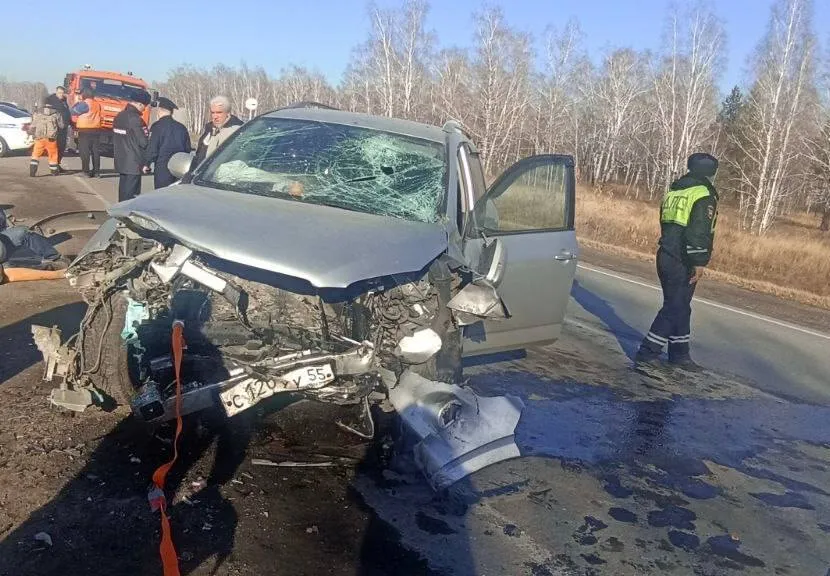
pixel 92 190
pixel 713 304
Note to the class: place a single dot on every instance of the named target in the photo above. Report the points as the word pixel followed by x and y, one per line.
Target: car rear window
pixel 13 112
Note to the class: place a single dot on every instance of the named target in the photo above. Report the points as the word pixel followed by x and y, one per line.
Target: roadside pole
pixel 250 105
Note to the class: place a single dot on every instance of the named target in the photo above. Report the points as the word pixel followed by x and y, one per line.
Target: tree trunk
pixel 825 220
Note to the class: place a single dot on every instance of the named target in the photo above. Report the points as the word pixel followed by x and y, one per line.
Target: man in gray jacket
pixel 222 124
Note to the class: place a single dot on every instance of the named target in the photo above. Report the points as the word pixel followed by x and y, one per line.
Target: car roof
pixel 382 123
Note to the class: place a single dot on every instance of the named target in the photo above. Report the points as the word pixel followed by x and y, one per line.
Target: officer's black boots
pixel 686 364
pixel 646 356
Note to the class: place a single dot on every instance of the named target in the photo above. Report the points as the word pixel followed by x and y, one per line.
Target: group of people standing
pixel 136 148
pixel 50 130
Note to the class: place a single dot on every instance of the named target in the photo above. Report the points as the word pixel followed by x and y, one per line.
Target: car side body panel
pixel 542 253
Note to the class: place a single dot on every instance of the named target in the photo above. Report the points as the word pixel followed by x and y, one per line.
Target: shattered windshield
pixel 333 164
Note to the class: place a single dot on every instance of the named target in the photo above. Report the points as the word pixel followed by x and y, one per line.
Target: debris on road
pixel 44 537
pixel 312 530
pixel 135 460
pixel 293 464
pixel 512 530
pixel 459 432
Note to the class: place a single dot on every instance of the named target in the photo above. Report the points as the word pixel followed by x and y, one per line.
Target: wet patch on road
pixel 622 515
pixel 690 469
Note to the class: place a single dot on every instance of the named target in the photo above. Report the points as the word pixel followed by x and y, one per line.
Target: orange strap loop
pixel 169 558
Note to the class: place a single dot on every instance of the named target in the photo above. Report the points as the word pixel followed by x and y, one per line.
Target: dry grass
pixel 792 261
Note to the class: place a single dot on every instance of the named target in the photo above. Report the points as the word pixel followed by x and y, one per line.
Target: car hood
pixel 328 247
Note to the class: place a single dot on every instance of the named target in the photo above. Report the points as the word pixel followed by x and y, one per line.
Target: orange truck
pixel 112 89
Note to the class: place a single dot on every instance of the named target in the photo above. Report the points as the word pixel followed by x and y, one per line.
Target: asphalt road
pixel 780 357
pixel 621 473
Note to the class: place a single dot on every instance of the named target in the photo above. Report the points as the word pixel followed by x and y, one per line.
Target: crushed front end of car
pixel 324 269
pixel 247 337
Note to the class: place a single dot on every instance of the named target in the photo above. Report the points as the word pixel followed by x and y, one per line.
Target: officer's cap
pixel 167 104
pixel 142 97
pixel 702 164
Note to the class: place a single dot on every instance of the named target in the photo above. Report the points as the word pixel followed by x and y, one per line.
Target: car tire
pixel 4 148
pixel 114 373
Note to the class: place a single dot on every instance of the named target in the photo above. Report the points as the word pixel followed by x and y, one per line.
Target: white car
pixel 13 124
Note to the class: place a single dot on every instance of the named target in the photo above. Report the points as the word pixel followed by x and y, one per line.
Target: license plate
pixel 249 392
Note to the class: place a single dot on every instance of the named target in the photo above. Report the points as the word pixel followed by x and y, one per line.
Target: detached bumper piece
pixel 459 431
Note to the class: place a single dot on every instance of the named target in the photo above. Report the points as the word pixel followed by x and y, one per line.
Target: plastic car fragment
pixel 458 431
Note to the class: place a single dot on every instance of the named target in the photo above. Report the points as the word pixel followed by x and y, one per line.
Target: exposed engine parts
pixel 246 339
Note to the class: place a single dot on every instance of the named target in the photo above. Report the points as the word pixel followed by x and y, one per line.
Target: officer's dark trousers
pixel 129 186
pixel 88 148
pixel 672 326
pixel 62 136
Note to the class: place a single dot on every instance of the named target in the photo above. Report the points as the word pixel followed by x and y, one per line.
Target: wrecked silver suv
pixel 324 254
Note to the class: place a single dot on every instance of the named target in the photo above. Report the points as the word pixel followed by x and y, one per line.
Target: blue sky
pixel 316 34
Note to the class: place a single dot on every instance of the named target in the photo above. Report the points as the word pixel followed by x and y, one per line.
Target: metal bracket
pixel 58 359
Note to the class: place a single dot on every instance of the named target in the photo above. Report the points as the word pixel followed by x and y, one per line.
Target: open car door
pixel 530 210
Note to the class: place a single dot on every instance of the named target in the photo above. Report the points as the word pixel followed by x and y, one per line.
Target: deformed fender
pixel 459 432
pixel 75 221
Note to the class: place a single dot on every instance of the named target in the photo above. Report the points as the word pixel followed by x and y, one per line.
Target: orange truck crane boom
pixel 112 89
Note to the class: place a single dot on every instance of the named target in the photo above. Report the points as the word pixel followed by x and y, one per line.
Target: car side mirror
pixel 493 261
pixel 179 164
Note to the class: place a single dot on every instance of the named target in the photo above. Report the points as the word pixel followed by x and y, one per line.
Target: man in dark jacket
pixel 130 138
pixel 167 137
pixel 222 124
pixel 58 102
pixel 688 215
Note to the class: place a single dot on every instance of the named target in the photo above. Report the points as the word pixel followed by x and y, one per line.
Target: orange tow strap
pixel 29 274
pixel 169 558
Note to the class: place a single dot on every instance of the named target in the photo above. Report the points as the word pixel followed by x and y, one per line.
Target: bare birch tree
pixel 783 67
pixel 500 82
pixel 29 95
pixel 685 86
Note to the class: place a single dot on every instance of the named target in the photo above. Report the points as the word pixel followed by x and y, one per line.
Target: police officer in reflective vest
pixel 688 215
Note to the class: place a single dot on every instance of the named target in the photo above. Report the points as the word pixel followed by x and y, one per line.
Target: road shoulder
pixel 753 302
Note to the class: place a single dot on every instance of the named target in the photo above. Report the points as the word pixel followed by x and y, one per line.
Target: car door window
pixel 534 195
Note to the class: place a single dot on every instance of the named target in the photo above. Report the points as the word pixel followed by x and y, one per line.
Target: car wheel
pixel 105 352
pixel 4 148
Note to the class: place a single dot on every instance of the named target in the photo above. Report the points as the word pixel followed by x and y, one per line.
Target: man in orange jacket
pixel 88 126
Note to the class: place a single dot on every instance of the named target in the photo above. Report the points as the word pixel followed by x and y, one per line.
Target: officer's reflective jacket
pixel 688 215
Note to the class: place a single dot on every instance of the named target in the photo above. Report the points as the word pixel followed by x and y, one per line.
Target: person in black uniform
pixel 688 214
pixel 130 138
pixel 167 137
